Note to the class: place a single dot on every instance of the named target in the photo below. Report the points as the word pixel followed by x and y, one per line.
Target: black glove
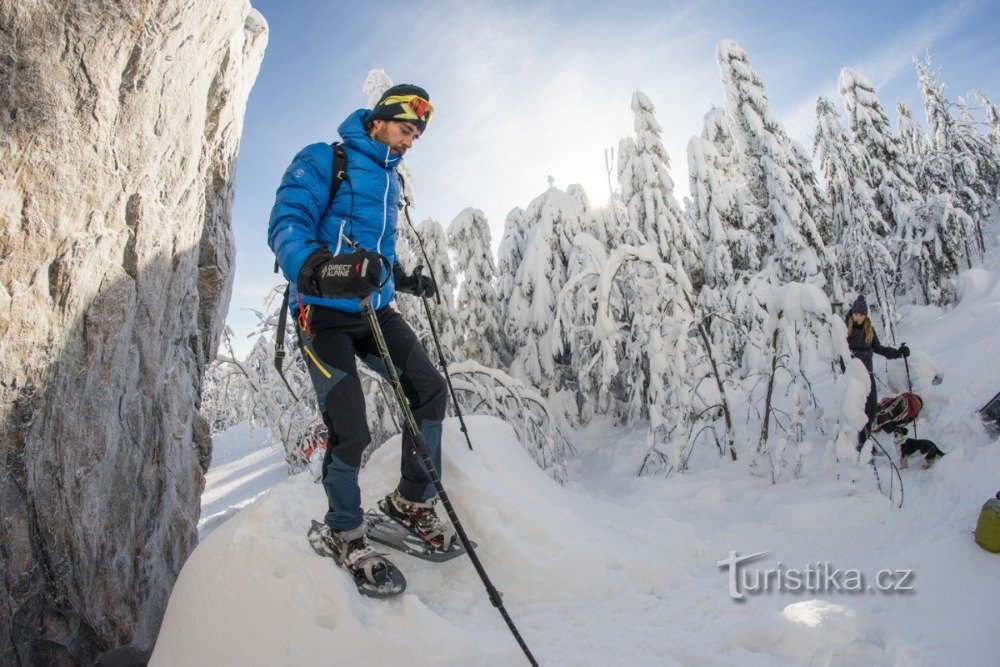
pixel 416 283
pixel 904 351
pixel 351 276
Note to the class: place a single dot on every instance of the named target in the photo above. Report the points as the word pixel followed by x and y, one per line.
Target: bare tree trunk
pixel 707 342
pixel 765 426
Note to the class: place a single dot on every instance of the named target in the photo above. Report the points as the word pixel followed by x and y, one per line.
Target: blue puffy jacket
pixel 364 210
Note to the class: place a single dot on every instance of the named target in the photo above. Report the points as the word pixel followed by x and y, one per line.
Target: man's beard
pixel 382 134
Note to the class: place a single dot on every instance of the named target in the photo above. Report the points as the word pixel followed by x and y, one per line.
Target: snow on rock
pixel 119 127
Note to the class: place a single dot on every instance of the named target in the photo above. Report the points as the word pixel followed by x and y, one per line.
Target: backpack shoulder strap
pixel 339 169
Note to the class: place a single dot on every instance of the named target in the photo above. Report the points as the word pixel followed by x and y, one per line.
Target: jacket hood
pixel 352 131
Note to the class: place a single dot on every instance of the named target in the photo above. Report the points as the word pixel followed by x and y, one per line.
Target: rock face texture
pixel 120 122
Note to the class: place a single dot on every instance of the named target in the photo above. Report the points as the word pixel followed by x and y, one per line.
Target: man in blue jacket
pixel 334 253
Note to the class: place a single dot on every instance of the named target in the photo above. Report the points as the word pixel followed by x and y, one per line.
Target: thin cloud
pixel 540 95
pixel 890 59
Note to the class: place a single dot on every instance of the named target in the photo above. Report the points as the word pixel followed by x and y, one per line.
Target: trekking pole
pixel 430 321
pixel 909 385
pixel 444 367
pixel 420 447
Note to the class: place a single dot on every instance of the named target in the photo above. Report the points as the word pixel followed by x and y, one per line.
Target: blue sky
pixel 525 90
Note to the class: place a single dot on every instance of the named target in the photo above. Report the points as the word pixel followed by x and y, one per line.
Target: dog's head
pixel 900 433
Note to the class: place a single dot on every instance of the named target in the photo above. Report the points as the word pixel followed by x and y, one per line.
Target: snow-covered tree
pixel 575 317
pixel 913 142
pixel 610 224
pixel 727 312
pixel 477 306
pixel 804 336
pixel 252 390
pixel 730 251
pixel 377 81
pixel 976 165
pixel 845 418
pixel 648 191
pixel 433 258
pixel 219 384
pixel 992 117
pixel 790 215
pixel 866 264
pixel 510 253
pixel 540 277
pixel 933 251
pixel 583 222
pixel 509 256
pixel 491 391
pixel 952 171
pixel 627 318
pixel 627 230
pixel 888 170
pixel 719 192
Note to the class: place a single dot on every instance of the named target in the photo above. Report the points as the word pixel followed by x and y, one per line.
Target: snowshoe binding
pixel 413 528
pixel 372 572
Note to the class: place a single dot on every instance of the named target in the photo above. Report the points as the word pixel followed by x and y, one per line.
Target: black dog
pixel 909 446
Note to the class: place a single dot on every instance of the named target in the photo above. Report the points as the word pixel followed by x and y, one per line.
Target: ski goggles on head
pixel 411 107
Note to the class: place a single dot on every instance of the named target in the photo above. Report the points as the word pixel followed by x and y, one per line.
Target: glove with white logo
pixel 351 276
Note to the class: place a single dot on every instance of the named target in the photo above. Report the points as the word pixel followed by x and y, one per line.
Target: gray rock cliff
pixel 119 128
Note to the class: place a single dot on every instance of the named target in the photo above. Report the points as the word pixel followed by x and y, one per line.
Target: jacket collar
pixel 352 131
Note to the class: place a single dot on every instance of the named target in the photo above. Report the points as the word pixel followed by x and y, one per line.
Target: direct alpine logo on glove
pixel 351 276
pixel 332 270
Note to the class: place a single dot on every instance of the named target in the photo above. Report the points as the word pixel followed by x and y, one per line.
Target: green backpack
pixel 988 528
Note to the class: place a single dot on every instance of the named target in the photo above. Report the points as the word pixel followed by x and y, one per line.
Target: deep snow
pixel 613 569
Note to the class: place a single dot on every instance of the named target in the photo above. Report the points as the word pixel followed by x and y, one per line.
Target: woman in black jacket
pixel 864 343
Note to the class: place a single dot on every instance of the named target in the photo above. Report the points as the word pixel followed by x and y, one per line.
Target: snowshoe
pixel 397 529
pixel 373 574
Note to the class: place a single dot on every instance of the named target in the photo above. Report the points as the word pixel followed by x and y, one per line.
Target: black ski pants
pixel 331 341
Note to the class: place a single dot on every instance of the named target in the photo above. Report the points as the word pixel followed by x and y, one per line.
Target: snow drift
pixel 609 569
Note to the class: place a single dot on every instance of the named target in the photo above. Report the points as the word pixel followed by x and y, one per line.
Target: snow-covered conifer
pixel 628 231
pixel 887 168
pixel 951 170
pixel 790 213
pixel 648 191
pixel 992 117
pixel 469 239
pixel 509 256
pixel 540 276
pixel 433 258
pixel 724 327
pixel 866 264
pixel 575 317
pixel 913 141
pixel 976 164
